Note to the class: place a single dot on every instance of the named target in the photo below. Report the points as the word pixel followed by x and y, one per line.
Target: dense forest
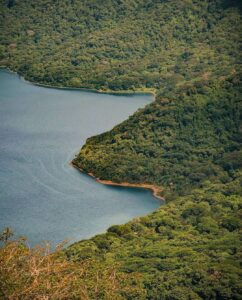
pixel 121 44
pixel 188 142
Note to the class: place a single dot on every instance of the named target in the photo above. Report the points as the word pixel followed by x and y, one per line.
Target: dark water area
pixel 41 195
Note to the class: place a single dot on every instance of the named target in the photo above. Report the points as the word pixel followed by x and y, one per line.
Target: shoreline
pixel 153 188
pixel 83 89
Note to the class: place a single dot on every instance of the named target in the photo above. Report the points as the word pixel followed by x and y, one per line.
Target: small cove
pixel 41 195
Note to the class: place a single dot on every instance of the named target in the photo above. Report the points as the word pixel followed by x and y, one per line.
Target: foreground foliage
pixel 188 141
pixel 39 274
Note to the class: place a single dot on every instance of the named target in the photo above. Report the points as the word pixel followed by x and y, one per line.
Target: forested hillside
pixel 175 143
pixel 188 141
pixel 121 44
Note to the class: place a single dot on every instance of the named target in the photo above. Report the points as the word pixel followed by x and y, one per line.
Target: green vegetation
pixel 187 141
pixel 120 44
pixel 177 144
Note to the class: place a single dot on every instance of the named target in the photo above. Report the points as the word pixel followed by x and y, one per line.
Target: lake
pixel 41 195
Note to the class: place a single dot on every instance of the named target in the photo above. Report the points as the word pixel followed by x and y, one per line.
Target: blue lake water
pixel 41 195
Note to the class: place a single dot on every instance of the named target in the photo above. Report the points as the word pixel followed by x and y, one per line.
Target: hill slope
pixel 174 143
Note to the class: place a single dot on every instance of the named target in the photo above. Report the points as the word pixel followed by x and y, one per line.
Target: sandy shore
pixel 155 189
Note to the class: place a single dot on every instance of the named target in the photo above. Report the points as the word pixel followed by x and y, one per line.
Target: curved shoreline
pixel 155 189
pixel 108 92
